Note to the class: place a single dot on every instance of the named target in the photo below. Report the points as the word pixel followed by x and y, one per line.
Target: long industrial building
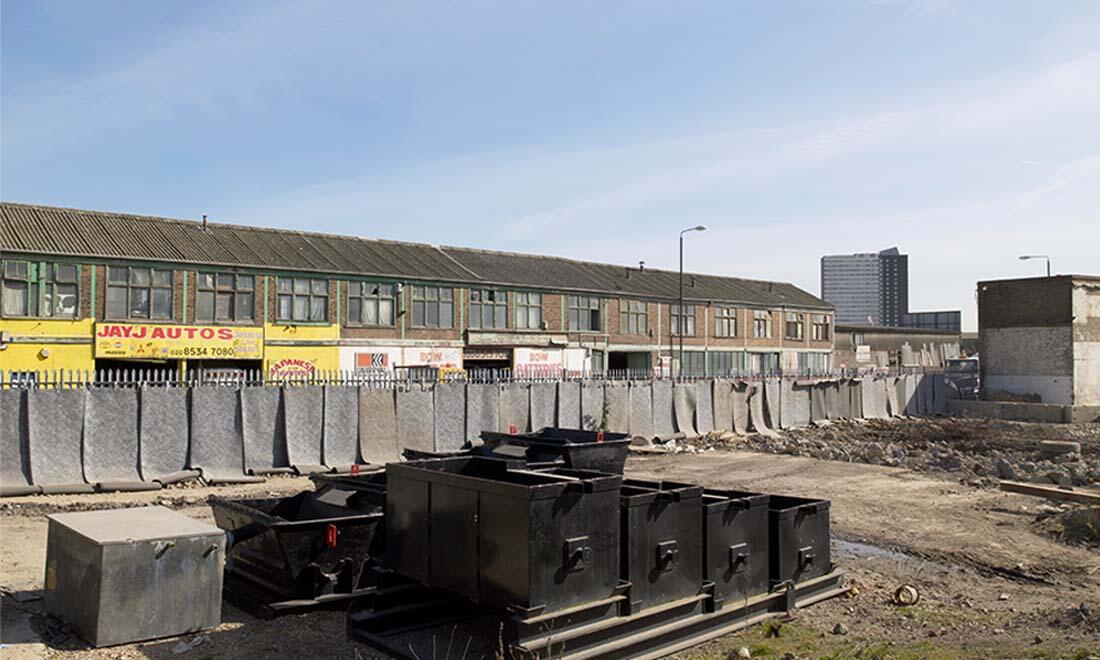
pixel 86 290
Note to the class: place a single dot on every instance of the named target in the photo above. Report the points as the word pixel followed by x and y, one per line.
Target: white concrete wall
pixel 1029 362
pixel 1086 345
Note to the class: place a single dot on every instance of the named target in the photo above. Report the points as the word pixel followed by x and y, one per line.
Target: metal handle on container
pixel 577 553
pixel 805 556
pixel 667 555
pixel 739 557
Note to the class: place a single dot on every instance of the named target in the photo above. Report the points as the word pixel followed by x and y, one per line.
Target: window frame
pixel 525 306
pixel 309 295
pixel 820 330
pixel 130 286
pixel 765 317
pixel 419 299
pixel 496 301
pixel 592 308
pixel 724 317
pixel 367 299
pixel 42 281
pixel 675 319
pixel 235 292
pixel 636 311
pixel 796 320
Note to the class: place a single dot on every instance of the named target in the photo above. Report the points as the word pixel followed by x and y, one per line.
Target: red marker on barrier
pixel 599 436
pixel 330 536
pixel 355 470
pixel 512 429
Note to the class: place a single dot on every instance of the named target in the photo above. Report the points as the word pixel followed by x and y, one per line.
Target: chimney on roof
pixel 641 266
pixel 204 222
pixel 693 281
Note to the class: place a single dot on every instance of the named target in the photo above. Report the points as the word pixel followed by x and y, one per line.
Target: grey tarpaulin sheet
pixel 893 401
pixel 723 405
pixel 641 410
pixel 340 441
pixel 740 399
pixel 450 416
pixel 941 394
pixel 304 406
pixel 482 409
pixel 773 404
pixel 663 421
pixel 874 397
pixel 569 405
pixel 799 405
pixel 683 403
pixel 591 405
pixel 264 423
pixel 111 445
pixel 56 431
pixel 165 434
pixel 15 455
pixel 217 438
pixel 756 412
pixel 843 400
pixel 378 426
pixel 817 403
pixel 704 406
pixel 415 419
pixel 912 403
pixel 616 396
pixel 515 407
pixel 544 405
pixel 855 397
pixel 832 393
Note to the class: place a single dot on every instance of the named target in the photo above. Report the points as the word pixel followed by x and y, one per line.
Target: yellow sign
pixel 178 342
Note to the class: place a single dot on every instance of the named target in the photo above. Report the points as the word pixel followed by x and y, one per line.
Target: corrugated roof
pixel 79 233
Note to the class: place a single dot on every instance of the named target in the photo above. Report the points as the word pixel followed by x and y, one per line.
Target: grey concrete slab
pixel 217 435
pixel 56 433
pixel 515 407
pixel 416 419
pixel 925 403
pixel 641 409
pixel 832 394
pixel 683 404
pixel 756 412
pixel 616 396
pixel 305 412
pixel 799 405
pixel 340 439
pixel 592 413
pixel 111 444
pixel 264 425
pixel 378 426
pixel 569 405
pixel 897 386
pixel 874 398
pixel 843 399
pixel 723 405
pixel 165 433
pixel 664 422
pixel 704 406
pixel 942 392
pixel 773 402
pixel 544 405
pixel 786 403
pixel 15 445
pixel 450 416
pixel 817 403
pixel 483 409
pixel 855 397
pixel 912 402
pixel 740 399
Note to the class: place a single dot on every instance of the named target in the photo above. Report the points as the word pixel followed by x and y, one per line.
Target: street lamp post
pixel 1025 257
pixel 680 307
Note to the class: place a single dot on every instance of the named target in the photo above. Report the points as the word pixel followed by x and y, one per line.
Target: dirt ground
pixel 994 582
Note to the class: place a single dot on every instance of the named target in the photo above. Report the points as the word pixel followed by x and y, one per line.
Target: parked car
pixel 962 373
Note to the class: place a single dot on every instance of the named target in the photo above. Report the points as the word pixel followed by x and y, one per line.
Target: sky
pixel 964 132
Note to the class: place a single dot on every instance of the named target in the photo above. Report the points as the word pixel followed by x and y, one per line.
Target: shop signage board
pixel 153 341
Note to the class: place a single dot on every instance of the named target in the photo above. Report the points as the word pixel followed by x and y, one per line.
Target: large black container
pixel 799 538
pixel 662 532
pixel 581 450
pixel 735 544
pixel 530 541
pixel 305 547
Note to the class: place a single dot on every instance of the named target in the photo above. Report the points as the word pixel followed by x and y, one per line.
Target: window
pixel 695 364
pixel 301 299
pixel 794 326
pixel 432 307
pixel 633 317
pixel 688 319
pixel 371 303
pixel 40 289
pixel 813 364
pixel 725 322
pixel 488 309
pixel 727 363
pixel 584 313
pixel 762 324
pixel 225 297
pixel 821 327
pixel 139 293
pixel 529 311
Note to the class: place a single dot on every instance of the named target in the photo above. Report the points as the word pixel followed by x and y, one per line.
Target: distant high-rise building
pixel 867 288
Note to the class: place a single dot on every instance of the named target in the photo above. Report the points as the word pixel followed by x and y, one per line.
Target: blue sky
pixel 964 132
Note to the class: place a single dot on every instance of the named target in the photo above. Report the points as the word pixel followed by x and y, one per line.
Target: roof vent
pixel 641 266
pixel 693 281
pixel 204 227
